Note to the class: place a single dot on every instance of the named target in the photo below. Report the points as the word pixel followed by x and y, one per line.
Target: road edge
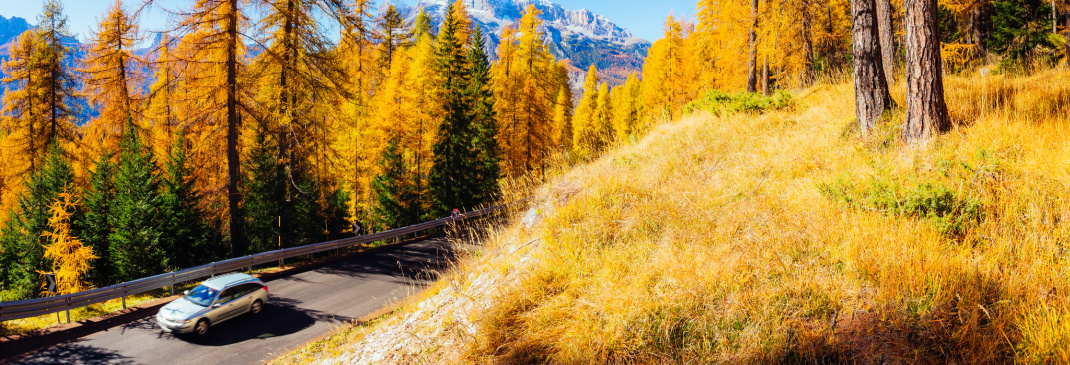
pixel 30 342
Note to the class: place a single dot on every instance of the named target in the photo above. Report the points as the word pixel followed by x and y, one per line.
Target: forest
pixel 259 131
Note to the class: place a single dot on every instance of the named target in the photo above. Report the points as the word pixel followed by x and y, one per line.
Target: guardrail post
pixel 124 300
pixel 68 310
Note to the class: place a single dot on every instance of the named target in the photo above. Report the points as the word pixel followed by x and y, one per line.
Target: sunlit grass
pixel 787 236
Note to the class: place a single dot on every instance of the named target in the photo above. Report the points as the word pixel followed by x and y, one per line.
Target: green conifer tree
pixel 396 199
pixel 188 238
pixel 136 242
pixel 487 170
pixel 95 225
pixel 264 197
pixel 21 237
pixel 454 158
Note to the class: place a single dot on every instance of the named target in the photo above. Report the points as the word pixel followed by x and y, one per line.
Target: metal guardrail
pixel 39 306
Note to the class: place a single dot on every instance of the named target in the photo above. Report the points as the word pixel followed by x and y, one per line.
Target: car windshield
pixel 201 295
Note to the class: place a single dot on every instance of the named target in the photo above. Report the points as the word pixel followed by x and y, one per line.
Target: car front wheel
pixel 201 328
pixel 256 307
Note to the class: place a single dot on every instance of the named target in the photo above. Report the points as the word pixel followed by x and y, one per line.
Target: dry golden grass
pixel 787 237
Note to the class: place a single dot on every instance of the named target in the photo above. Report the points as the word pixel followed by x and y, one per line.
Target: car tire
pixel 256 307
pixel 201 327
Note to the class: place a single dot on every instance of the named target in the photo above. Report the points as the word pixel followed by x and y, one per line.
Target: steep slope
pixel 782 237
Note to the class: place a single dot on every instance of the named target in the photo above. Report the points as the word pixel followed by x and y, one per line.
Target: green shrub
pixel 719 102
pixel 949 212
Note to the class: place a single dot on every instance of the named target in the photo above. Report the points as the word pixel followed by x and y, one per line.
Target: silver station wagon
pixel 215 300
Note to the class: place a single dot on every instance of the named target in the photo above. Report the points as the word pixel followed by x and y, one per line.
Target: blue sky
pixel 643 18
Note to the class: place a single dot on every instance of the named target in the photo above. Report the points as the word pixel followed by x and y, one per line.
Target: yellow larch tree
pixel 526 84
pixel 625 107
pixel 110 69
pixel 70 257
pixel 219 96
pixel 585 136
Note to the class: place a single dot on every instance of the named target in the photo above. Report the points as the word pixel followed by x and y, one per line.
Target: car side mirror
pixel 217 305
pixel 185 292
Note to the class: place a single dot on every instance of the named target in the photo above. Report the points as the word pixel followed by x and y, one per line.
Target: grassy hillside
pixel 785 236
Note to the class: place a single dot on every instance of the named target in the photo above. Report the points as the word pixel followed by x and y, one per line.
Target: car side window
pixel 227 295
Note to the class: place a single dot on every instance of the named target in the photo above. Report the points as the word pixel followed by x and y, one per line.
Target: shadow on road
pixel 409 265
pixel 75 353
pixel 280 317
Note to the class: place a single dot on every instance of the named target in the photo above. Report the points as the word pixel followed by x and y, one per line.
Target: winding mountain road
pixel 303 306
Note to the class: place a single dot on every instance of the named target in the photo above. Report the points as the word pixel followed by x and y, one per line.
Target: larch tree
pixel 563 118
pixel 625 107
pixel 299 75
pixel 22 114
pixel 110 71
pixel 216 78
pixel 69 256
pixel 752 40
pixel 871 88
pixel 585 135
pixel 926 109
pixel 59 84
pixel 603 120
pixel 393 32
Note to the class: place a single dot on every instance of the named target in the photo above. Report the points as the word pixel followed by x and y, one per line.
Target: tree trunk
pixel 808 48
pixel 978 36
pixel 752 68
pixel 237 235
pixel 887 38
pixel 871 88
pixel 926 109
pixel 1067 16
pixel 765 76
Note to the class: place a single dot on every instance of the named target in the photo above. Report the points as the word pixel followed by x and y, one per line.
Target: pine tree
pixel 187 237
pixel 21 237
pixel 265 195
pixel 136 242
pixel 69 256
pixel 484 123
pixel 95 225
pixel 393 191
pixel 454 157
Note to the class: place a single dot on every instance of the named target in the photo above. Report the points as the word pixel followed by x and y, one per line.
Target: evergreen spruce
pixel 188 239
pixel 282 210
pixel 264 197
pixel 396 200
pixel 485 125
pixel 455 159
pixel 136 243
pixel 21 237
pixel 95 226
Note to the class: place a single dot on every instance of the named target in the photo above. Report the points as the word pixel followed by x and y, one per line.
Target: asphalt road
pixel 303 307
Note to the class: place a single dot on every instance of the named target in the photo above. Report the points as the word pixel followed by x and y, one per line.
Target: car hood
pixel 180 309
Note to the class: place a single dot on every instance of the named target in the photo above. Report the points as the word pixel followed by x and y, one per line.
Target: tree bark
pixel 765 76
pixel 976 24
pixel 1067 16
pixel 809 73
pixel 887 38
pixel 871 88
pixel 237 234
pixel 752 68
pixel 926 109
